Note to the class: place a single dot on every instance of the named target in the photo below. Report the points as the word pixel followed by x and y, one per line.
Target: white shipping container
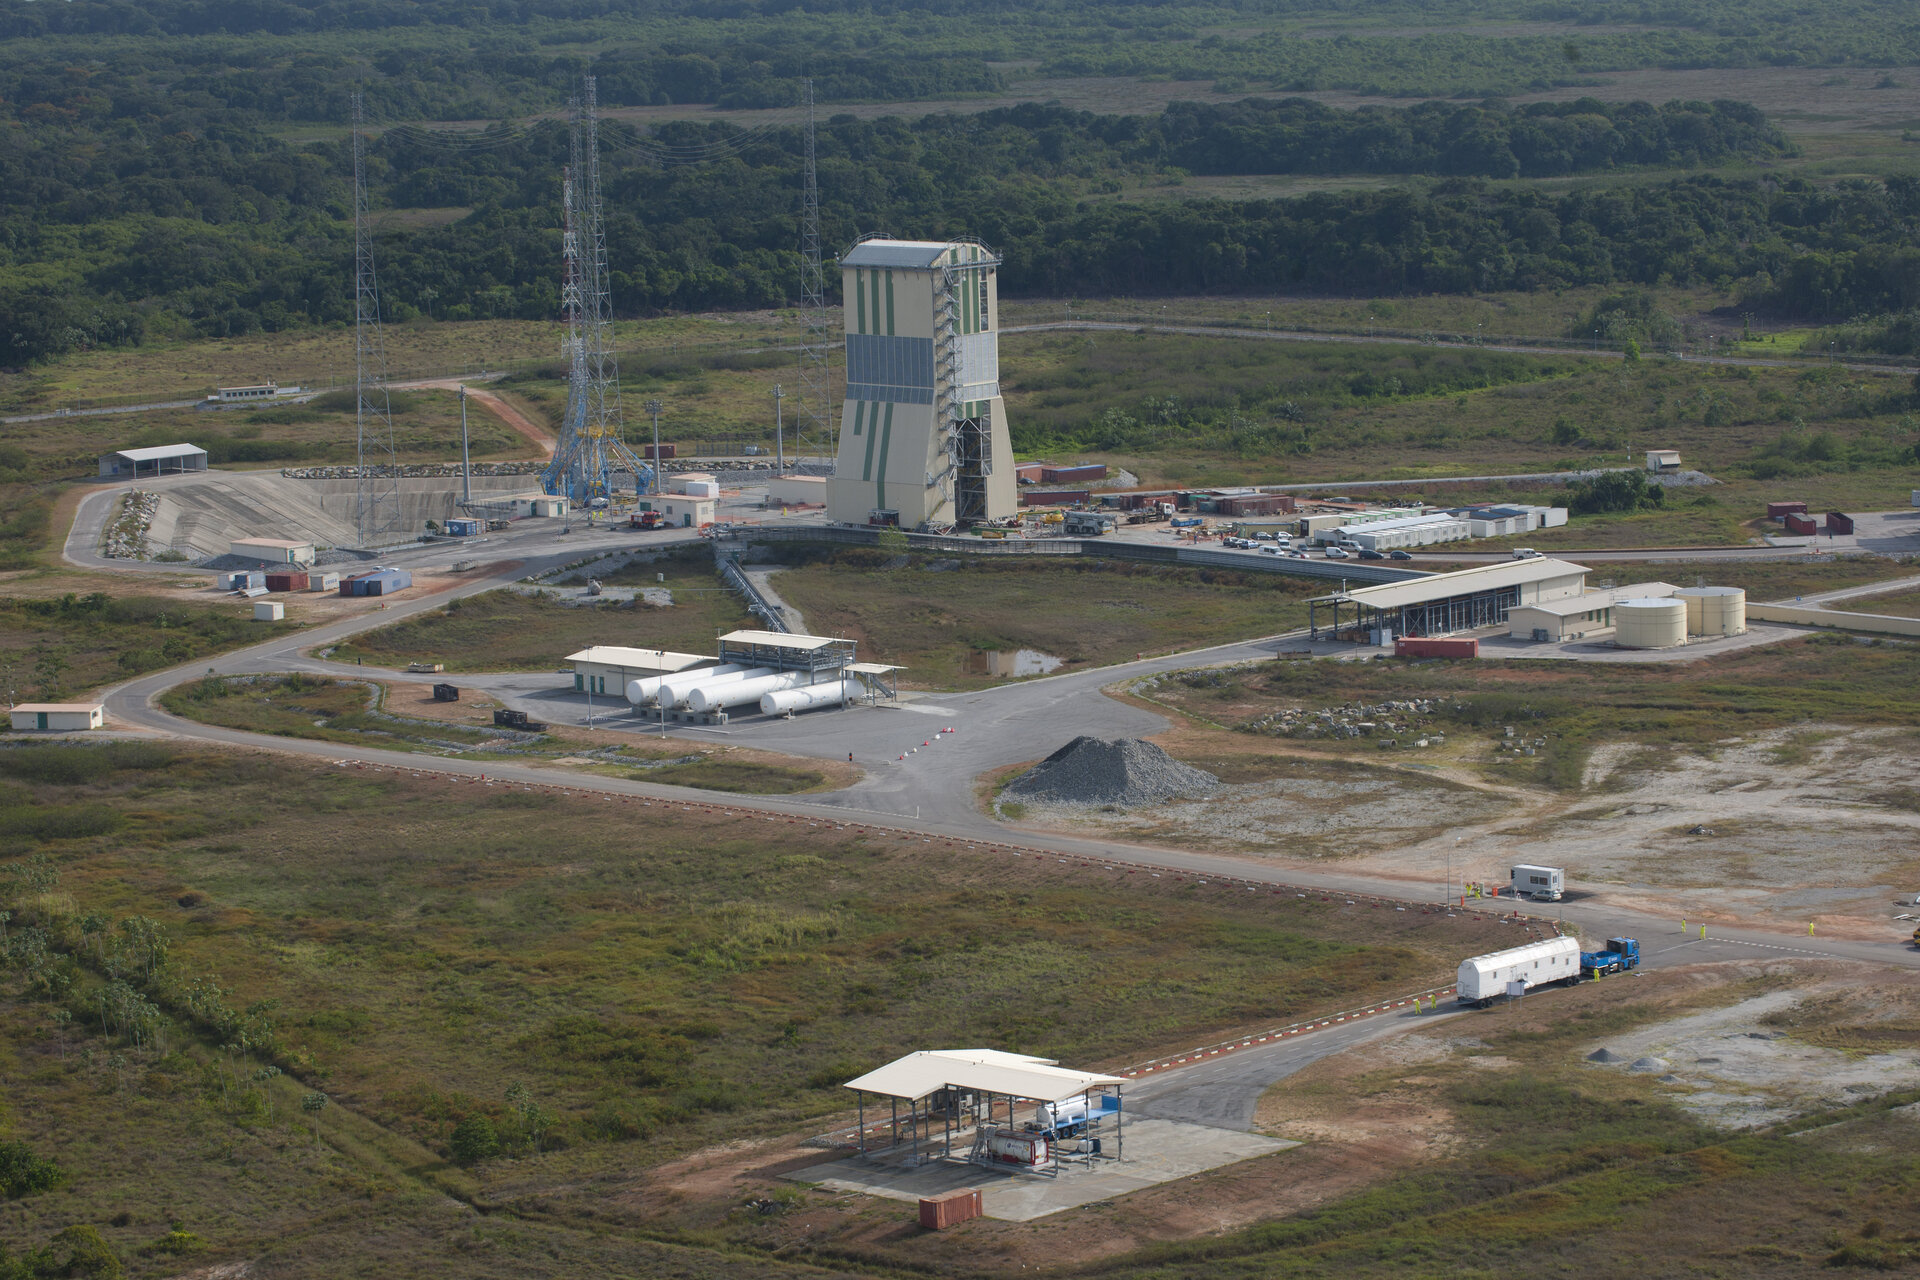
pixel 269 611
pixel 1483 979
pixel 323 582
pixel 1020 1148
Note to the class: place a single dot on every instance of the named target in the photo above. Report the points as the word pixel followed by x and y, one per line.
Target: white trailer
pixel 1542 884
pixel 1484 979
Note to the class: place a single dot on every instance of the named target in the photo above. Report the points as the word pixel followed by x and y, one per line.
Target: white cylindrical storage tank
pixel 1715 611
pixel 642 691
pixel 675 689
pixel 807 697
pixel 1650 624
pixel 738 693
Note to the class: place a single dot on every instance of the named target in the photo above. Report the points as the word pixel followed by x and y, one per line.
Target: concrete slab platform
pixel 1157 1151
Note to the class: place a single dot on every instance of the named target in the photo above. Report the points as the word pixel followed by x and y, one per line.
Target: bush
pixel 475 1139
pixel 22 1173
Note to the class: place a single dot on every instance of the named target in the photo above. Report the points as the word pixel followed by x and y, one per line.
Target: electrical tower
pixel 378 509
pixel 813 412
pixel 591 448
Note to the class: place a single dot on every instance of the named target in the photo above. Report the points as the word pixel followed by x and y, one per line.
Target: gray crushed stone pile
pixel 1126 773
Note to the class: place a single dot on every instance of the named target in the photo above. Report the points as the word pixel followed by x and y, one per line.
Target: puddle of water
pixel 1012 663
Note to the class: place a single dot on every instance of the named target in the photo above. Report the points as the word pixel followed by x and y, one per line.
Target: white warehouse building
pixel 1407 531
pixel 923 435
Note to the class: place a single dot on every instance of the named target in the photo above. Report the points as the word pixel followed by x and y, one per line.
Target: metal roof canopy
pixel 871 668
pixel 662 660
pixel 160 452
pixel 1013 1075
pixel 1443 586
pixel 785 652
pixel 921 255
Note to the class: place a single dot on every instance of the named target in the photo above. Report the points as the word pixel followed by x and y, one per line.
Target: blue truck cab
pixel 1620 955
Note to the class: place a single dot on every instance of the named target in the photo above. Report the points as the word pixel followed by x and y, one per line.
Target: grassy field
pixel 513 631
pixel 55 647
pixel 426 429
pixel 939 618
pixel 401 718
pixel 1899 604
pixel 655 978
pixel 1575 706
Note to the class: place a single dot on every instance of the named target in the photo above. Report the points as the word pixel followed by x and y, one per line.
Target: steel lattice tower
pixel 591 447
pixel 378 509
pixel 813 412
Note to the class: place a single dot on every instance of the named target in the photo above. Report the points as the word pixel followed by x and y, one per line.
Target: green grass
pixel 657 977
pixel 1576 706
pixel 512 631
pixel 1899 604
pixel 60 646
pixel 1086 611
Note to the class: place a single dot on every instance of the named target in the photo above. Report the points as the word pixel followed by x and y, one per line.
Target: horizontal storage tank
pixel 1714 611
pixel 645 689
pixel 738 693
pixel 673 690
pixel 1650 624
pixel 808 697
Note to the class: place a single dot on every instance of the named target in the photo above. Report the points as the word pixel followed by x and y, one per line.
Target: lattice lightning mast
pixel 378 508
pixel 591 448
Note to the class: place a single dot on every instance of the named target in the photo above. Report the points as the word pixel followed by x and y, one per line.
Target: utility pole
pixel 813 418
pixel 466 462
pixel 378 505
pixel 779 435
pixel 654 407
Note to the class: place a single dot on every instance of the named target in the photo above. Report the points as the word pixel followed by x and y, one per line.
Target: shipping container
pixel 323 582
pixel 1435 647
pixel 462 527
pixel 249 578
pixel 1839 523
pixel 1781 510
pixel 1802 526
pixel 269 611
pixel 950 1208
pixel 446 693
pixel 290 581
pixel 1055 497
pixel 1255 504
pixel 666 451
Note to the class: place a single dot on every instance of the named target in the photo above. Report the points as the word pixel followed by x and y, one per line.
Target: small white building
pixel 1663 460
pixel 1587 615
pixel 161 460
pixel 1407 531
pixel 59 717
pixel 273 550
pixel 538 505
pixel 606 669
pixel 269 611
pixel 797 491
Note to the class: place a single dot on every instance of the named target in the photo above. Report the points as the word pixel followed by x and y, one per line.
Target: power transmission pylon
pixel 813 410
pixel 378 508
pixel 591 447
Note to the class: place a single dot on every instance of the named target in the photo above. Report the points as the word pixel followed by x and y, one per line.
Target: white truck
pixel 1542 884
pixel 1517 970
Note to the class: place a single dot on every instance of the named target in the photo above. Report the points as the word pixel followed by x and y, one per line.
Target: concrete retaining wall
pixel 1881 623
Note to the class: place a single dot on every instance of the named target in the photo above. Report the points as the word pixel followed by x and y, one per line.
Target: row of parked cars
pixel 1282 545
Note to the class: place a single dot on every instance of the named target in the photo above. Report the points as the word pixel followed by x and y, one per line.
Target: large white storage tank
pixel 1714 611
pixel 721 694
pixel 1650 624
pixel 832 693
pixel 676 690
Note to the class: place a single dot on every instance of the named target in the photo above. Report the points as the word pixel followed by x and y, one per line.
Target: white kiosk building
pixel 923 434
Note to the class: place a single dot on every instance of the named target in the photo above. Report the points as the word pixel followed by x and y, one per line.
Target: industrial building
pixel 537 504
pixel 1580 617
pixel 923 436
pixel 606 668
pixel 779 673
pixel 164 459
pixel 1504 521
pixel 690 502
pixel 59 717
pixel 273 550
pixel 797 491
pixel 1407 531
pixel 1441 603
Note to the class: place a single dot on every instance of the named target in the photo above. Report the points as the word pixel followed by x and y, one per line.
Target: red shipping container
pixel 1781 510
pixel 1836 523
pixel 949 1209
pixel 1433 647
pixel 666 450
pixel 1801 525
pixel 288 581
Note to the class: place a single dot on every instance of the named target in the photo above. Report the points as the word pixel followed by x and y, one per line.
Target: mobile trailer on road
pixel 1517 970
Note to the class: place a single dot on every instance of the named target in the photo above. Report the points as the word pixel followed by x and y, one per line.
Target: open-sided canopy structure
pixel 1014 1075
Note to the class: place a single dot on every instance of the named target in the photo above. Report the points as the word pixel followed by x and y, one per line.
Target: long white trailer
pixel 1484 979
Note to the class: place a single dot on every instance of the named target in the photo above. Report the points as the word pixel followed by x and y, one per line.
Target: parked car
pixel 1337 553
pixel 1399 555
pixel 1368 553
pixel 1272 550
pixel 1264 536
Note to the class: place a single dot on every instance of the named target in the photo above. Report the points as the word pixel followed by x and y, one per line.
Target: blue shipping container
pixel 461 528
pixel 383 583
pixel 251 578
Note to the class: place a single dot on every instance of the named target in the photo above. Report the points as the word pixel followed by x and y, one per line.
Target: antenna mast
pixel 591 444
pixel 378 508
pixel 813 415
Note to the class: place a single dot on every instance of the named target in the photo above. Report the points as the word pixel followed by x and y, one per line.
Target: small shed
pixel 269 611
pixel 273 550
pixel 59 717
pixel 537 505
pixel 161 460
pixel 1663 460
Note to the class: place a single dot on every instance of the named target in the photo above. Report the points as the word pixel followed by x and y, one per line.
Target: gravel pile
pixel 1124 773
